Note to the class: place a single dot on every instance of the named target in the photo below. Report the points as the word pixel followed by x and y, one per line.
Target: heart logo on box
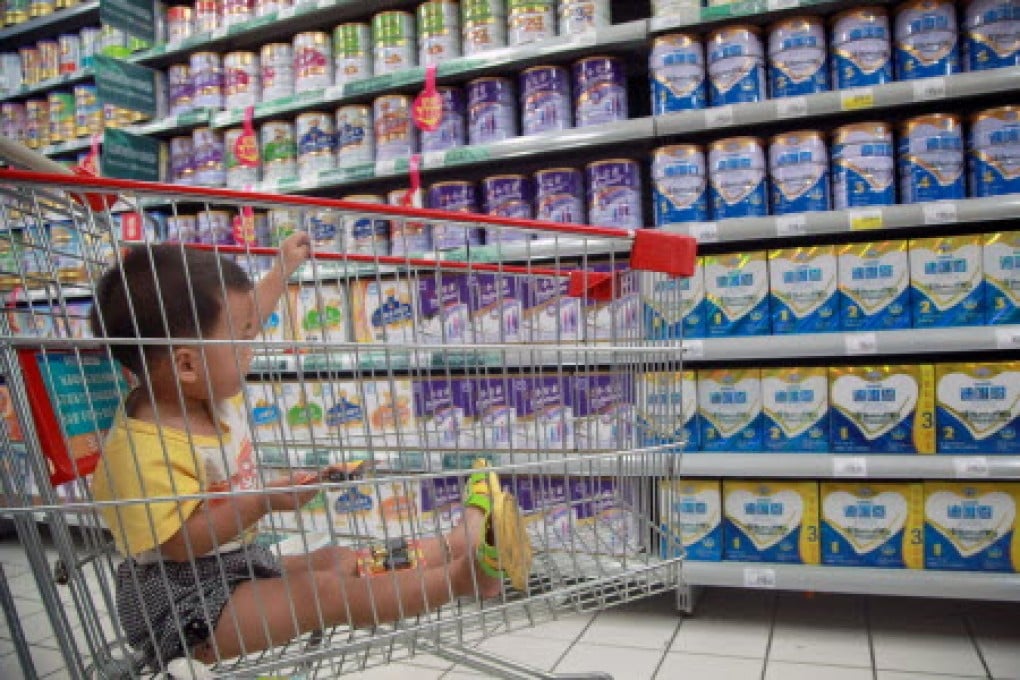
pixel 795 421
pixel 945 289
pixel 872 294
pixel 946 511
pixel 765 530
pixel 865 534
pixel 983 417
pixel 694 528
pixel 729 419
pixel 737 301
pixel 804 297
pixel 873 417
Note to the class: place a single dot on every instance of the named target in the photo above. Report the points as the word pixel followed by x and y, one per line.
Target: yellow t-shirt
pixel 142 460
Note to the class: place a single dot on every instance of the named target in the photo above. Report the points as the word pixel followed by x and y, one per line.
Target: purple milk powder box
pixel 494 415
pixel 619 318
pixel 545 503
pixel 455 196
pixel 444 409
pixel 444 316
pixel 451 132
pixel 545 423
pixel 603 409
pixel 494 304
pixel 508 196
pixel 550 315
pixel 559 195
pixel 608 522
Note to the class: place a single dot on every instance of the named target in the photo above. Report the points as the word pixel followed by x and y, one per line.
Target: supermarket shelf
pixel 611 38
pixel 84 14
pixel 51 84
pixel 878 343
pixel 749 11
pixel 803 109
pixel 857 580
pixel 847 466
pixel 72 146
pixel 968 210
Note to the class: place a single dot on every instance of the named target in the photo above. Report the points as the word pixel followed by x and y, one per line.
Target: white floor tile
pixel 47 661
pixel 534 652
pixel 37 627
pixel 735 601
pixel 782 670
pixel 397 671
pixel 821 609
pixel 621 662
pixel 724 634
pixel 628 628
pixel 932 651
pixel 567 628
pixel 998 638
pixel 825 645
pixel 902 675
pixel 680 665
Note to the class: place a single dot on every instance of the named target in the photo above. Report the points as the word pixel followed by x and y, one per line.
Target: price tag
pixel 791 107
pixel 929 88
pixel 861 343
pixel 1007 338
pixel 856 466
pixel 970 466
pixel 693 350
pixel 719 116
pixel 386 167
pixel 285 12
pixel 323 4
pixel 333 92
pixel 433 159
pixel 174 46
pixel 864 220
pixel 939 212
pixel 585 39
pixel 776 5
pixel 220 32
pixel 857 98
pixel 705 232
pixel 791 225
pixel 757 577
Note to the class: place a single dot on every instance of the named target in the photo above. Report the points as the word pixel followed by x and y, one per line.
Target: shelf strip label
pixel 865 219
pixel 705 232
pixel 926 89
pixel 759 577
pixel 1007 338
pixel 849 466
pixel 970 466
pixel 857 99
pixel 861 343
pixel 791 225
pixel 939 212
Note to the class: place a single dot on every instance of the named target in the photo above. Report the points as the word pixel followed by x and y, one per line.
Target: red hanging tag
pixel 89 167
pixel 427 111
pixel 246 149
pixel 90 164
pixel 414 170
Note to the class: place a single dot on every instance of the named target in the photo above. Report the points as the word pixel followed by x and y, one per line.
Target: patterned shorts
pixel 170 607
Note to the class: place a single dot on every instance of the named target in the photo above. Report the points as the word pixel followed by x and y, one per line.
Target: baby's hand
pixel 294 250
pixel 286 501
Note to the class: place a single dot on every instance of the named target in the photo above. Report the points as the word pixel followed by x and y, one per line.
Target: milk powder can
pixel 207 80
pixel 239 175
pixel 530 21
pixel 438 32
pixel 679 184
pixel 545 100
pixel 799 172
pixel 355 136
pixel 863 166
pixel 736 66
pixel 395 133
pixel 861 48
pixel 393 42
pixel 991 34
pixel 276 68
pixel 456 196
pixel 452 130
pixel 994 152
pixel 676 66
pixel 352 52
pixel 931 159
pixel 798 61
pixel 926 39
pixel 736 171
pixel 313 61
pixel 614 193
pixel 483 25
pixel 210 170
pixel 600 91
pixel 559 195
pixel 180 90
pixel 491 112
pixel 582 16
pixel 316 143
pixel 241 80
pixel 278 151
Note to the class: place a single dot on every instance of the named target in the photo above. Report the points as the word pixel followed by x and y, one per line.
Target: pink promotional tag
pixel 427 111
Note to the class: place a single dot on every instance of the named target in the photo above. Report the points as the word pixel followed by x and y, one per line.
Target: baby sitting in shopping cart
pixel 182 493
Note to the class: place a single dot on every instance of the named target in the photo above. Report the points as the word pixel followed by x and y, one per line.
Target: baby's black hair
pixel 184 287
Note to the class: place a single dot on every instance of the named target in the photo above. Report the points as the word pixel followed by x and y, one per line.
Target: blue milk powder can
pixel 679 184
pixel 926 39
pixel 995 152
pixel 991 34
pixel 931 159
pixel 736 172
pixel 491 116
pixel 600 91
pixel 452 128
pixel 799 172
pixel 545 100
pixel 797 57
pixel 559 195
pixel 863 166
pixel 736 66
pixel 861 48
pixel 614 193
pixel 676 67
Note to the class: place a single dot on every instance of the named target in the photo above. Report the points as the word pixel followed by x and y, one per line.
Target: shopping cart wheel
pixel 61 575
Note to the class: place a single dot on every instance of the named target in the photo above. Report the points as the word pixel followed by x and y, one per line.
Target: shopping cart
pixel 396 374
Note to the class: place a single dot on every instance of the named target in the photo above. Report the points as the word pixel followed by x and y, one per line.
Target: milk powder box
pixel 384 311
pixel 495 307
pixel 667 410
pixel 265 415
pixel 345 418
pixel 691 512
pixel 873 524
pixel 609 518
pixel 1002 277
pixel 736 294
pixel 303 409
pixel 971 526
pixel 389 411
pixel 619 318
pixel 804 290
pixel 796 409
pixel 946 281
pixel 882 409
pixel 545 422
pixel 978 407
pixel 549 513
pixel 443 315
pixel 730 409
pixel 674 307
pixel 281 324
pixel 874 286
pixel 441 503
pixel 495 416
pixel 770 521
pixel 363 513
pixel 444 409
pixel 322 313
pixel 603 408
pixel 550 315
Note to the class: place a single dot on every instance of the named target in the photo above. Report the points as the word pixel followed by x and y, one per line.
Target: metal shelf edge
pixel 849 466
pixel 56 18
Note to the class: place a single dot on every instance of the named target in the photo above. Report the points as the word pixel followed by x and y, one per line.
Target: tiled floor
pixel 734 635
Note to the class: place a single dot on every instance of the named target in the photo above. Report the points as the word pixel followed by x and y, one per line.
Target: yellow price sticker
pixel 865 220
pixel 856 99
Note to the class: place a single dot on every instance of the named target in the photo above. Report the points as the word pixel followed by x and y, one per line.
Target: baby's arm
pixel 294 250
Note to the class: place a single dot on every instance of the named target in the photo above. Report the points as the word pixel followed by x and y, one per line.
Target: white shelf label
pixel 776 5
pixel 865 219
pixel 693 350
pixel 285 12
pixel 323 4
pixel 433 159
pixel 758 577
pixel 705 232
pixel 853 466
pixel 939 212
pixel 791 107
pixel 585 39
pixel 386 167
pixel 970 466
pixel 718 116
pixel 1007 338
pixel 220 32
pixel 929 88
pixel 861 343
pixel 791 225
pixel 333 92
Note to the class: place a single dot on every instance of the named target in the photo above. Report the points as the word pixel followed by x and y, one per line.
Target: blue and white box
pixel 803 284
pixel 1002 277
pixel 874 286
pixel 736 294
pixel 971 526
pixel 977 407
pixel 691 511
pixel 796 409
pixel 674 307
pixel 730 409
pixel 947 281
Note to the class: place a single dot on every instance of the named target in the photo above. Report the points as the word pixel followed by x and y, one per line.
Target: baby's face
pixel 228 363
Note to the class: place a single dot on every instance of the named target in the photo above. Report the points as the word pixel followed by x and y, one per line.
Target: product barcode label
pixel 939 212
pixel 857 98
pixel 693 350
pixel 791 225
pixel 719 116
pixel 970 466
pixel 861 343
pixel 386 167
pixel 852 466
pixel 1007 338
pixel 791 107
pixel 929 88
pixel 865 220
pixel 705 232
pixel 757 577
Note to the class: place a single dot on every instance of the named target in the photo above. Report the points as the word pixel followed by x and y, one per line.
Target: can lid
pixel 735 28
pixel 729 141
pixel 998 111
pixel 931 118
pixel 866 13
